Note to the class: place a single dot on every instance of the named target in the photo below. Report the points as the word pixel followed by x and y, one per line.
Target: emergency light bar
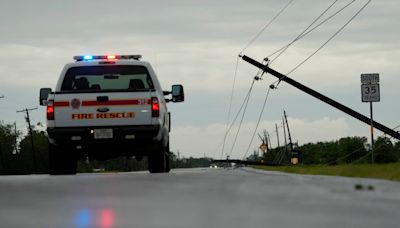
pixel 106 57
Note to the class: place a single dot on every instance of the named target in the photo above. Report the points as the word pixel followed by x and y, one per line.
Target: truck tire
pixel 61 161
pixel 167 160
pixel 157 161
pixel 167 164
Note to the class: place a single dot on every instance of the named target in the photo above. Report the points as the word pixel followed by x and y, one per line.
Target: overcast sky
pixel 196 43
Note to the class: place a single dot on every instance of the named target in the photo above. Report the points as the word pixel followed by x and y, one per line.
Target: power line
pixel 266 26
pixel 333 36
pixel 312 29
pixel 230 106
pixel 241 120
pixel 276 83
pixel 358 149
pixel 237 60
pixel 236 116
pixel 258 122
pixel 305 30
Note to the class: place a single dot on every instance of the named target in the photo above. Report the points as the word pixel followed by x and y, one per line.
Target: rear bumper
pixel 127 140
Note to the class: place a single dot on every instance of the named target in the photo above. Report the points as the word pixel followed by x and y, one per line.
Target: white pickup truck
pixel 108 106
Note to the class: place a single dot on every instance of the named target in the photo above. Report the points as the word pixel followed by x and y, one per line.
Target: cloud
pixel 196 44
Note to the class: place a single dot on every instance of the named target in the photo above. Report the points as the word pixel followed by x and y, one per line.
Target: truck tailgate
pixel 102 109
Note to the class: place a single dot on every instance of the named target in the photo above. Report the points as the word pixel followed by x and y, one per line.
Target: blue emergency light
pixel 87 57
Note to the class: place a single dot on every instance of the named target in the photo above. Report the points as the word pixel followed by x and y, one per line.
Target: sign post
pixel 370 93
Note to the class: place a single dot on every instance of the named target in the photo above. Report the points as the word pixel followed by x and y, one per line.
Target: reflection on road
pixel 85 218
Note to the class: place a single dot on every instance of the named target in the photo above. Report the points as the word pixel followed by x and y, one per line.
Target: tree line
pixel 343 151
pixel 18 157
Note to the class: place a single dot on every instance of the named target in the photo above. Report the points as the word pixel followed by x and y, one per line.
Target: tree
pixel 7 147
pixel 40 149
pixel 352 148
pixel 344 150
pixel 384 151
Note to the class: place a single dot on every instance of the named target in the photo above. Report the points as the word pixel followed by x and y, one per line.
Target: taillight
pixel 50 110
pixel 155 107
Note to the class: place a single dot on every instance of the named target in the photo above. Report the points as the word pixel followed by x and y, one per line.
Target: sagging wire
pixel 333 36
pixel 353 152
pixel 265 27
pixel 305 32
pixel 257 78
pixel 237 60
pixel 241 120
pixel 258 123
pixel 230 106
pixel 308 31
pixel 345 156
pixel 236 116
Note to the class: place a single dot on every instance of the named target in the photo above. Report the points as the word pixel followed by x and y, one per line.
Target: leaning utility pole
pixel 31 134
pixel 284 132
pixel 269 140
pixel 277 135
pixel 265 133
pixel 16 138
pixel 321 97
pixel 288 129
pixel 284 135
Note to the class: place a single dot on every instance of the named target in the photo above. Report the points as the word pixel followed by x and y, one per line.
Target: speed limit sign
pixel 370 92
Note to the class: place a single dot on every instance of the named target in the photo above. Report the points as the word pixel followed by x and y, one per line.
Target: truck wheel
pixel 167 160
pixel 167 163
pixel 157 161
pixel 61 161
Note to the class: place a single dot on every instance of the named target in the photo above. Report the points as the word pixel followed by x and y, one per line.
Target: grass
pixel 379 171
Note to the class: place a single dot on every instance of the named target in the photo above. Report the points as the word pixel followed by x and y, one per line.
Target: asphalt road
pixel 197 198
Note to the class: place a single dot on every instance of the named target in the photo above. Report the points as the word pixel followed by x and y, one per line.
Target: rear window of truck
pixel 106 79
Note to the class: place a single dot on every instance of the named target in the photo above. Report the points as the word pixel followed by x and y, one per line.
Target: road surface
pixel 197 198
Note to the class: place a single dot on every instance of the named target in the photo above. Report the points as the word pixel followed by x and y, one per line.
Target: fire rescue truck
pixel 108 106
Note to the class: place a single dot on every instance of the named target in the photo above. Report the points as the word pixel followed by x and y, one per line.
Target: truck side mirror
pixel 44 94
pixel 177 93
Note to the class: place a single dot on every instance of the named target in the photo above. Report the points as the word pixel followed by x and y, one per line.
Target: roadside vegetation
pixel 350 156
pixel 389 171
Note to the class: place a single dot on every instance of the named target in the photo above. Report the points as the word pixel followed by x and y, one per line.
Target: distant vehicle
pixel 213 166
pixel 108 106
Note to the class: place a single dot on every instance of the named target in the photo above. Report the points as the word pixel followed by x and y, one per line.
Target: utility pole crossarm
pixel 321 97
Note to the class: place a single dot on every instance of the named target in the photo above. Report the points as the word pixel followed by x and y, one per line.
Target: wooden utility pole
pixel 284 135
pixel 288 129
pixel 16 138
pixel 31 134
pixel 265 133
pixel 321 97
pixel 277 134
pixel 269 140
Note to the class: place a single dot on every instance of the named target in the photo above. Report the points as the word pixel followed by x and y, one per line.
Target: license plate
pixel 104 133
